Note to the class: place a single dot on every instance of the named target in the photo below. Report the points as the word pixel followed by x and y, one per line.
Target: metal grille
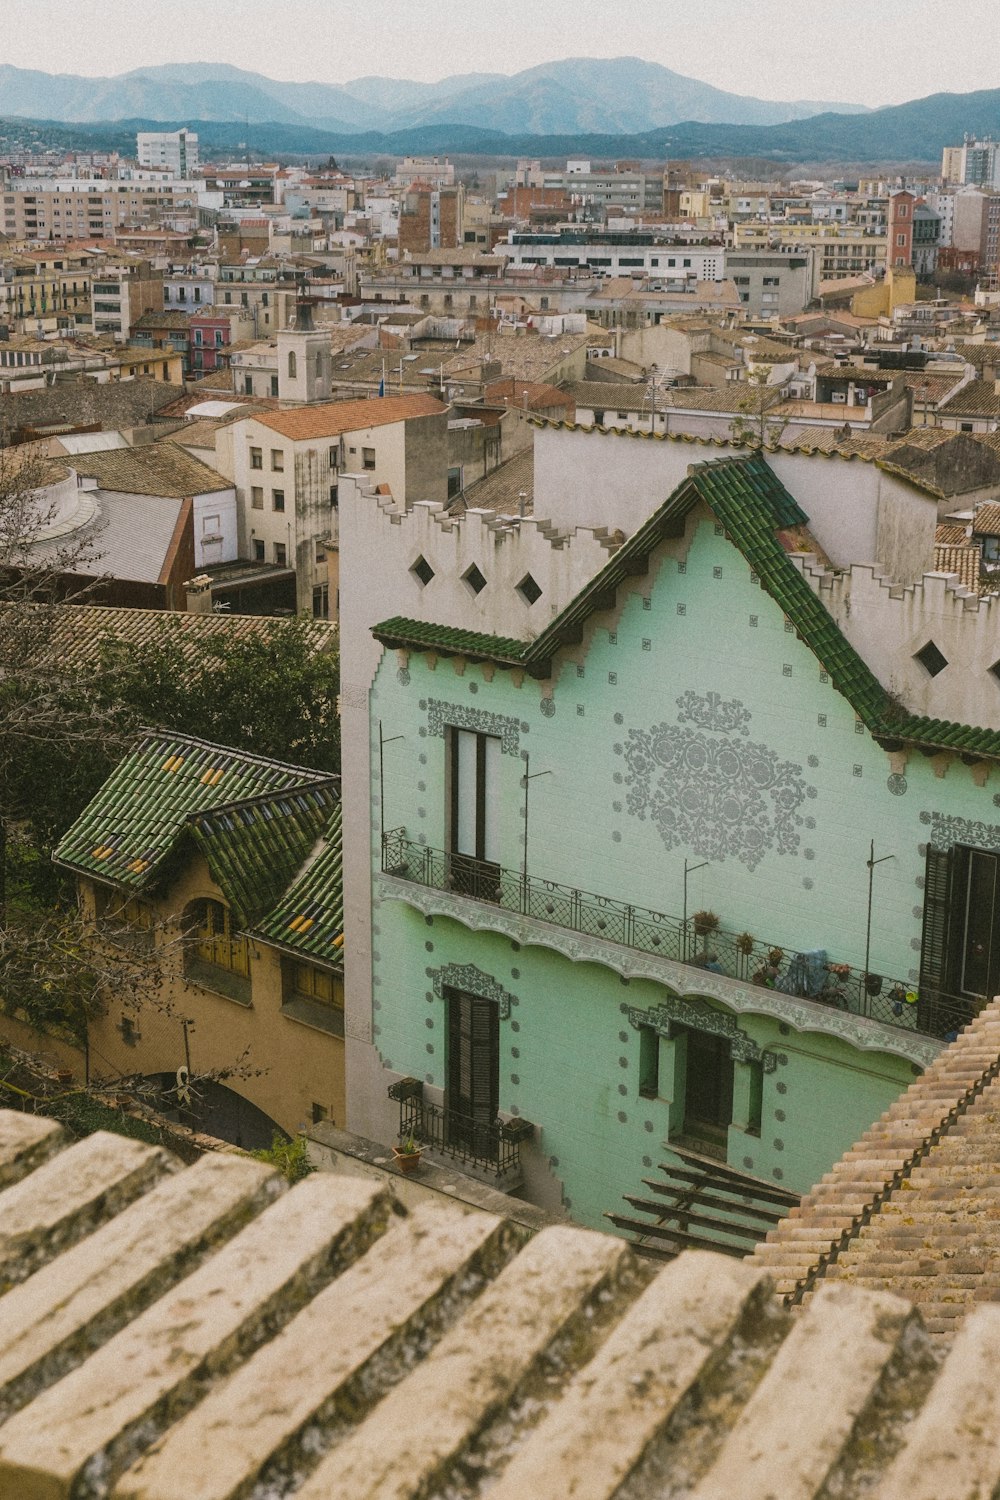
pixel 894 1002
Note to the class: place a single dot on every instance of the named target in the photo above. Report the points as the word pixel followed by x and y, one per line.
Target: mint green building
pixel 557 822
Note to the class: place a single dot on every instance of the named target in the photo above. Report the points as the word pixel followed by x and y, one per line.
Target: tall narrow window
pixel 960 946
pixel 649 1062
pixel 292 364
pixel 473 1073
pixel 708 1086
pixel 475 812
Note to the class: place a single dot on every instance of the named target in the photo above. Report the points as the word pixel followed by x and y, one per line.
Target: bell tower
pixel 305 360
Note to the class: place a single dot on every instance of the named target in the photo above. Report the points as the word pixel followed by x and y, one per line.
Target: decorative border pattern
pixel 681 979
pixel 702 1017
pixel 471 981
pixel 947 830
pixel 441 715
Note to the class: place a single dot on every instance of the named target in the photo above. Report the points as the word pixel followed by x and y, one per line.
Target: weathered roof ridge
pixel 409 1344
pixel 800 445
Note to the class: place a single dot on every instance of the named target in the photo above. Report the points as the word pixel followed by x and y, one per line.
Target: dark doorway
pixel 708 1086
pixel 473 1073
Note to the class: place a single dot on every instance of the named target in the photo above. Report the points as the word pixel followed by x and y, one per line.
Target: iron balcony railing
pixel 810 976
pixel 494 1146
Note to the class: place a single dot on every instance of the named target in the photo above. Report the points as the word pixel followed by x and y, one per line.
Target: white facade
pixel 694 262
pixel 857 512
pixel 176 150
pixel 216 535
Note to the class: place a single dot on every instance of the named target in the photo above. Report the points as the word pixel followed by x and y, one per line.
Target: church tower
pixel 305 361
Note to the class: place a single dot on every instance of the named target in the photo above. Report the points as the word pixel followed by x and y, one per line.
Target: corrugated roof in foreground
pixel 749 500
pixel 208 1332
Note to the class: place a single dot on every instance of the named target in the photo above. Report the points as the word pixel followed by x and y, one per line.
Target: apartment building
pixel 599 191
pixel 844 249
pixel 71 209
pixel 120 295
pixel 45 291
pixel 425 169
pixel 614 253
pixel 286 466
pixel 174 150
pixel 774 283
pixel 430 218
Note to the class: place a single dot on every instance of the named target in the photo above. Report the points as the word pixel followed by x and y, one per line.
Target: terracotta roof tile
pixel 334 417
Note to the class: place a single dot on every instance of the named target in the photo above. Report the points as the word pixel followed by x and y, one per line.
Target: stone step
pixel 840 1329
pixel 597 1434
pixel 424 1425
pixel 25 1142
pixel 59 1316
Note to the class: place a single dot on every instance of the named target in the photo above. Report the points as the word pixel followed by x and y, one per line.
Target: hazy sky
pixel 865 51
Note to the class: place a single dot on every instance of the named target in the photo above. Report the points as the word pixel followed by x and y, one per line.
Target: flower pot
pixel 407 1161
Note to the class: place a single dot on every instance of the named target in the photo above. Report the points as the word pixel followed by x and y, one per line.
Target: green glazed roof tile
pixel 753 506
pixel 253 818
pixel 420 635
pixel 309 918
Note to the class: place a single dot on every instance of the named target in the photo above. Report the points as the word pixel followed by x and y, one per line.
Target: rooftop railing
pixel 803 975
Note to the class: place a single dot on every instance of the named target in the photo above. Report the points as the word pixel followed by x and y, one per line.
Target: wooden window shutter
pixel 485 1061
pixel 935 955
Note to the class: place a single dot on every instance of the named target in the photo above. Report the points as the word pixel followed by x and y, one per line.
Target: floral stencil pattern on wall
pixel 705 784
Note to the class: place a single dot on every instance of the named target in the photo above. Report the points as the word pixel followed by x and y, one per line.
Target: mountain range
pixel 622 95
pixel 913 132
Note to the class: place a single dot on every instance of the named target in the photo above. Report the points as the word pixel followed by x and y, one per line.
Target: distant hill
pixel 611 96
pixel 904 132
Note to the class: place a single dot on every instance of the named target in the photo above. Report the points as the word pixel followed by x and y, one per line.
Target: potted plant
pixel 705 922
pixel 744 944
pixel 408 1154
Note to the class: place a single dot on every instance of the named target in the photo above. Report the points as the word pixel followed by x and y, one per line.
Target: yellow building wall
pixel 284 1066
pixel 898 287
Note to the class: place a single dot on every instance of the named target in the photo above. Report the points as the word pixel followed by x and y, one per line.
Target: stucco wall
pixel 856 512
pixel 709 673
pixel 888 626
pixel 288 1066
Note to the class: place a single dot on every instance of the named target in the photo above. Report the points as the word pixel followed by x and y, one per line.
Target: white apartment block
pixel 176 150
pixel 615 254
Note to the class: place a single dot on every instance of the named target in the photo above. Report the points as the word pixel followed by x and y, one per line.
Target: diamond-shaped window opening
pixel 474 578
pixel 995 670
pixel 529 589
pixel 422 571
pixel 931 659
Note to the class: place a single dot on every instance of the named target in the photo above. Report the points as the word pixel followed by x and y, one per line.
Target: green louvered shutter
pixel 935 946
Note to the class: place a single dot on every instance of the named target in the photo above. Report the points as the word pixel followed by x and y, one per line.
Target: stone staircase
pixel 911 1205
